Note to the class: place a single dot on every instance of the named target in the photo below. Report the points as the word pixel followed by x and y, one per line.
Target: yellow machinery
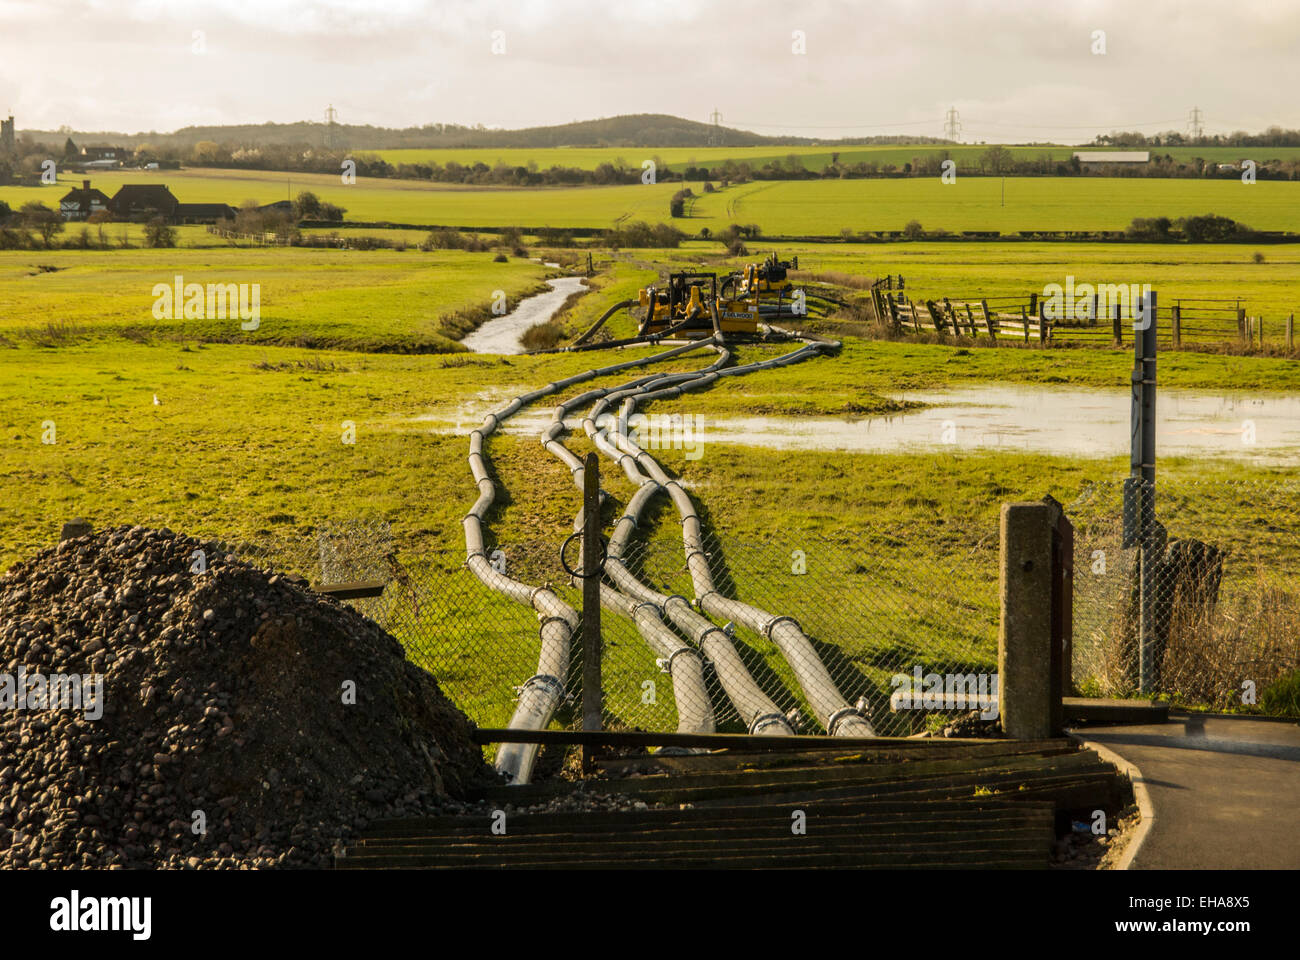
pixel 769 279
pixel 685 306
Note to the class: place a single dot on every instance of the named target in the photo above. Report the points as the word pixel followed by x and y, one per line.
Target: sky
pixel 1014 71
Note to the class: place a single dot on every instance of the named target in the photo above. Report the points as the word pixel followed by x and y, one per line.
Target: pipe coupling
pixel 766 720
pixel 843 713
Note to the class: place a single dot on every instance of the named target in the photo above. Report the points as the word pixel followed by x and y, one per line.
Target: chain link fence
pixel 883 619
pixel 886 617
pixel 1221 609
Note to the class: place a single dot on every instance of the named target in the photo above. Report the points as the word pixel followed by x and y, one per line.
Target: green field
pixel 371 300
pixel 798 208
pixel 812 157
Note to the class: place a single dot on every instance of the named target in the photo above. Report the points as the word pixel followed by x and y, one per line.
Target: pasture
pixel 811 157
pixel 780 208
pixel 362 300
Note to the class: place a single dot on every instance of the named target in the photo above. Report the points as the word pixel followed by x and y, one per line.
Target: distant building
pixel 1113 156
pixel 203 212
pixel 142 201
pixel 280 206
pixel 7 135
pixel 81 203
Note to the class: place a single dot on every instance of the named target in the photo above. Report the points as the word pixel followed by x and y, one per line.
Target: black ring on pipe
pixel 767 630
pixel 706 560
pixel 843 714
pixel 604 555
pixel 546 680
pixel 668 667
pixel 545 620
pixel 766 720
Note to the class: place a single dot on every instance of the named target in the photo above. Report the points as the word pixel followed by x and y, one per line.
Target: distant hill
pixel 634 130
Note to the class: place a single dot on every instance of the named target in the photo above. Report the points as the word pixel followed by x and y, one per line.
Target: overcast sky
pixel 1015 71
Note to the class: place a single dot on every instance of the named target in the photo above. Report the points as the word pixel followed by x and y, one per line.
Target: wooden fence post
pixel 1290 332
pixel 1176 314
pixel 1024 323
pixel 1241 323
pixel 988 319
pixel 1119 330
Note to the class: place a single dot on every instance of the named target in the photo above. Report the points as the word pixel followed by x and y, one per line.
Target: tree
pixel 206 152
pixel 5 211
pixel 913 230
pixel 307 206
pixel 36 216
pixel 158 233
pixel 69 148
pixel 996 159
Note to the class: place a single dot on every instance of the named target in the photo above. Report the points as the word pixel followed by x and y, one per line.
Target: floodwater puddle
pixel 1028 418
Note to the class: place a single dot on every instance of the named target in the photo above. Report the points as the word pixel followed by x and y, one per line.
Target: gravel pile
pixel 222 735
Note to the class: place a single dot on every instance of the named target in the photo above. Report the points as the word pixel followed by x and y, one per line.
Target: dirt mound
pixel 165 704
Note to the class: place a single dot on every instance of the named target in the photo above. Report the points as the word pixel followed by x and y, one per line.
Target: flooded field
pixel 1256 428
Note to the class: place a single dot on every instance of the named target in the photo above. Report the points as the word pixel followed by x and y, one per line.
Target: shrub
pixel 1149 228
pixel 500 258
pixel 158 233
pixel 913 230
pixel 642 234
pixel 1258 257
pixel 1211 228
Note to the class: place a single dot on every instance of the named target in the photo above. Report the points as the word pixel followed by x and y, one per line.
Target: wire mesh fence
pixel 906 635
pixel 1218 623
pixel 885 622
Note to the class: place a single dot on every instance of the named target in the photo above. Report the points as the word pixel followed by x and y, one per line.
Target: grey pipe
pixel 828 704
pixel 540 695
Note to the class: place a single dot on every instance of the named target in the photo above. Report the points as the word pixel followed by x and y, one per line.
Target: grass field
pixel 246 444
pixel 799 208
pixel 812 157
pixel 367 300
pixel 242 434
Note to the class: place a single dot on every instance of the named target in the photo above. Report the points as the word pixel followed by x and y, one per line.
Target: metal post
pixel 591 575
pixel 1142 469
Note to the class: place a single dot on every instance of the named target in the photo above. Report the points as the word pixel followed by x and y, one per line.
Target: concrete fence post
pixel 1025 684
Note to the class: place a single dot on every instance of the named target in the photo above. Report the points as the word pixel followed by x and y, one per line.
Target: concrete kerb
pixel 1145 808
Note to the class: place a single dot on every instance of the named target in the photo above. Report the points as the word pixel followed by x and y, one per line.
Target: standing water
pixel 502 334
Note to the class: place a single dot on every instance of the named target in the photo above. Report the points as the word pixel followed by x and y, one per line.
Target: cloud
pixel 1016 70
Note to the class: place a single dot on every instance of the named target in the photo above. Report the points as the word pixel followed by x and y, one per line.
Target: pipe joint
pixel 766 720
pixel 840 715
pixel 668 664
pixel 546 682
pixel 771 625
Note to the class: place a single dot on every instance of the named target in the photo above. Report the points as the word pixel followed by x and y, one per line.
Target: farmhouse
pixel 102 157
pixel 203 212
pixel 78 204
pixel 137 201
pixel 1113 156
